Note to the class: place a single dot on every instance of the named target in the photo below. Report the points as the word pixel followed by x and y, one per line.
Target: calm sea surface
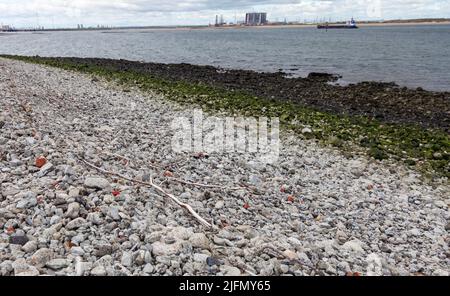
pixel 409 55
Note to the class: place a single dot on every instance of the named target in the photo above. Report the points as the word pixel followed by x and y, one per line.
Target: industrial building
pixel 256 18
pixel 5 28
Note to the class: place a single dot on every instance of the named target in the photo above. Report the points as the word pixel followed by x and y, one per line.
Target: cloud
pixel 168 12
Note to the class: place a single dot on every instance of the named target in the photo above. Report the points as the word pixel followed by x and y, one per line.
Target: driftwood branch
pixel 204 185
pixel 158 188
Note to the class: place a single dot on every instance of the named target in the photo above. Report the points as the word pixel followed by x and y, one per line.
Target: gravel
pixel 345 213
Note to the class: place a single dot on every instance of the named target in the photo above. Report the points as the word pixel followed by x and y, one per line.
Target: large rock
pixel 30 246
pixel 18 240
pixel 73 210
pixel 162 249
pixel 96 183
pixel 98 271
pixel 199 240
pixel 353 246
pixel 41 257
pixel 21 268
pixel 57 264
pixel 230 270
pixel 76 223
pixel 26 200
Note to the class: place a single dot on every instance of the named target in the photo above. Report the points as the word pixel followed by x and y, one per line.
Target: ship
pixel 349 25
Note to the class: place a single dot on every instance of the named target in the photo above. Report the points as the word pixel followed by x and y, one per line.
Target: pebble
pixel 30 246
pixel 41 257
pixel 219 204
pixel 76 223
pixel 98 271
pixel 18 240
pixel 96 182
pixel 73 210
pixel 230 270
pixel 199 240
pixel 353 246
pixel 57 264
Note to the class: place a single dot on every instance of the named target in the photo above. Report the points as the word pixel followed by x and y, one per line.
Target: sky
pixel 69 13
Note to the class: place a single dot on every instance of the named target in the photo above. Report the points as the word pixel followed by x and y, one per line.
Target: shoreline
pixel 381 120
pixel 206 27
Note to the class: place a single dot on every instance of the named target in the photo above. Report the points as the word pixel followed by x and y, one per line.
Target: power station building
pixel 256 18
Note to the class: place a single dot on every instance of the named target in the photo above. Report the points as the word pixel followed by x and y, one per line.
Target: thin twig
pixel 158 188
pixel 116 155
pixel 204 185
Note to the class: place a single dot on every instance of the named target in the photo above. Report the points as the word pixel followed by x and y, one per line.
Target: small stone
pixel 341 237
pixel 74 193
pixel 254 180
pixel 75 224
pixel 148 268
pixel 307 130
pixel 127 259
pixel 113 213
pixel 26 200
pixel 201 258
pixel 41 257
pixel 284 268
pixel 55 220
pixel 219 204
pixel 162 249
pixel 45 169
pixel 291 255
pixel 211 261
pixel 77 251
pixel 103 249
pixel 40 161
pixel 440 272
pixel 96 183
pixel 199 240
pixel 57 264
pixel 18 240
pixel 30 246
pixel 73 210
pixel 230 270
pixel 415 232
pixel 30 141
pixel 354 246
pixel 98 271
pixel 21 268
pixel 82 267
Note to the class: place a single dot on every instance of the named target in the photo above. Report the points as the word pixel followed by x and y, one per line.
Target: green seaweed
pixel 425 149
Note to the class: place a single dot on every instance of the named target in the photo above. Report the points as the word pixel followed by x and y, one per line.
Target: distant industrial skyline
pixel 67 13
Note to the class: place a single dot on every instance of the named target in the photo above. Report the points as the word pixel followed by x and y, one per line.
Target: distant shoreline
pixel 275 26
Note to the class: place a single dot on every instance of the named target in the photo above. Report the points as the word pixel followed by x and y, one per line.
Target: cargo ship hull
pixel 336 27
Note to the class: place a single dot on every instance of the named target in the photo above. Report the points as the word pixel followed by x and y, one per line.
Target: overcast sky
pixel 63 13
